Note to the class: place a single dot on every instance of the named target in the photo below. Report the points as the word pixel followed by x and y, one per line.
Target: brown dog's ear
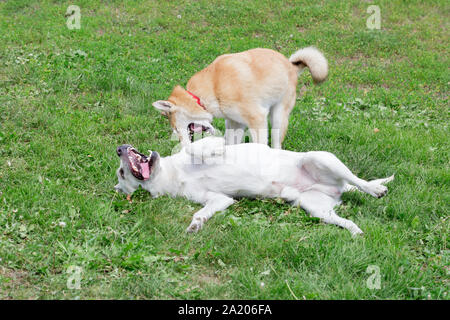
pixel 163 106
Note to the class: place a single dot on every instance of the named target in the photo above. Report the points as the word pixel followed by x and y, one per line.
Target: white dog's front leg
pixel 214 202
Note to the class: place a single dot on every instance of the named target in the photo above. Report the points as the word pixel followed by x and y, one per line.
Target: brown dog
pixel 244 88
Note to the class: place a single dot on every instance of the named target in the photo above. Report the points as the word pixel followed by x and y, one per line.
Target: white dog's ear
pixel 163 106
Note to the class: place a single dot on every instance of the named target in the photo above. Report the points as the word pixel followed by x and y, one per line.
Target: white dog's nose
pixel 122 149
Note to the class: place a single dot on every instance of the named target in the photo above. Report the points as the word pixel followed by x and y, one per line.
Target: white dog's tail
pixel 312 58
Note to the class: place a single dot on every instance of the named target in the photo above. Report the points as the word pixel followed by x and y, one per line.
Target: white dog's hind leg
pixel 332 218
pixel 374 187
pixel 320 205
pixel 214 202
pixel 349 187
pixel 291 194
pixel 326 166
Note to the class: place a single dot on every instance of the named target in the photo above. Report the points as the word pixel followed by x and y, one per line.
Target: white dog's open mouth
pixel 140 165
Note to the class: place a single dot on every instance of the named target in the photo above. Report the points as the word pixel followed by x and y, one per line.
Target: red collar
pixel 198 100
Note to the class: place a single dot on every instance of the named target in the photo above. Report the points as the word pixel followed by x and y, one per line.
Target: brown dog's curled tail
pixel 314 60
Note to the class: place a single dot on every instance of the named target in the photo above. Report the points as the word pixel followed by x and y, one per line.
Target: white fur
pixel 212 173
pixel 314 60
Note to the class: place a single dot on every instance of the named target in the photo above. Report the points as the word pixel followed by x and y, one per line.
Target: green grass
pixel 69 97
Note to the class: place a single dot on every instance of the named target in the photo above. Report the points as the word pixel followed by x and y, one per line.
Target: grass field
pixel 69 97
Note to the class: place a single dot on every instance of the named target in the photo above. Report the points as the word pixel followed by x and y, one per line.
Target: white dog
pixel 211 173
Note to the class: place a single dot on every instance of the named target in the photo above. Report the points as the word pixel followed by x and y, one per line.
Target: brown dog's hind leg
pixel 279 119
pixel 257 125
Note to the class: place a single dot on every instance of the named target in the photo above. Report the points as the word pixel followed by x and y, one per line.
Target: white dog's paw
pixel 357 232
pixel 375 189
pixel 217 151
pixel 206 147
pixel 195 226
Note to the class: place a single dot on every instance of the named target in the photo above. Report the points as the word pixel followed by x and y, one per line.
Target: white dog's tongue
pixel 145 170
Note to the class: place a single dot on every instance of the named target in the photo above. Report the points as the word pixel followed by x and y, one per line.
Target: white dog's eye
pixel 122 174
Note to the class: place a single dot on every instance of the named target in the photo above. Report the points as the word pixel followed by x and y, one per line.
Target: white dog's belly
pixel 257 171
pixel 234 181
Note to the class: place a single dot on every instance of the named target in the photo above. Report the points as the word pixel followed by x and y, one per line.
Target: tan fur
pixel 245 87
pixel 180 97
